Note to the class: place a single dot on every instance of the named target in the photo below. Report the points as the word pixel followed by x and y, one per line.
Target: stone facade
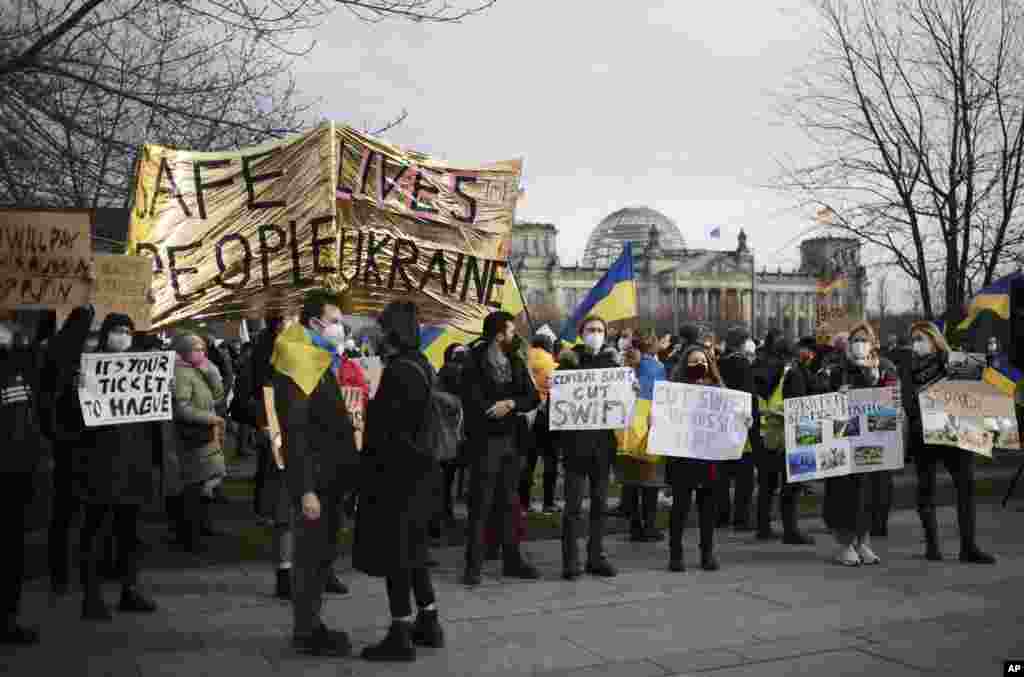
pixel 715 289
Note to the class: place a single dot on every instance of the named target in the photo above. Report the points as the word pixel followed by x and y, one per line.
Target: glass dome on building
pixel 632 224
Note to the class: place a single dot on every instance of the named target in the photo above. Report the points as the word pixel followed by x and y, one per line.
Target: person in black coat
pixel 496 386
pixel 777 367
pixel 398 495
pixel 449 379
pixel 588 459
pixel 20 422
pixel 929 364
pixel 737 374
pixel 114 477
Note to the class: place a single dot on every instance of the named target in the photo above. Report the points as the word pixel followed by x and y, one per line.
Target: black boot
pixel 192 514
pixel 791 534
pixel 677 523
pixel 134 601
pixel 396 646
pixel 764 515
pixel 93 606
pixel 13 634
pixel 931 534
pixel 516 566
pixel 708 562
pixel 334 585
pixel 427 631
pixel 967 517
pixel 283 587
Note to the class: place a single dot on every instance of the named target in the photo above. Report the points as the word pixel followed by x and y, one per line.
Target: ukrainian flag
pixel 633 440
pixel 1003 375
pixel 995 297
pixel 612 298
pixel 434 340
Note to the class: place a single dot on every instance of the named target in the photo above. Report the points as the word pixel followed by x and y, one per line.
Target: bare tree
pixel 882 292
pixel 84 82
pixel 918 107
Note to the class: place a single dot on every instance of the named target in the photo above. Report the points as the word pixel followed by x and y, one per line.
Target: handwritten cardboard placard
pixel 691 421
pixel 843 433
pixel 592 399
pixel 969 415
pixel 45 258
pixel 122 285
pixel 355 403
pixel 118 388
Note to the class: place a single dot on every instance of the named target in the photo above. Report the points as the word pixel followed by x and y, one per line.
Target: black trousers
pixel 493 479
pixel 880 486
pixel 403 585
pixel 540 444
pixel 64 510
pixel 592 471
pixel 682 500
pixel 735 509
pixel 771 479
pixel 643 509
pixel 124 519
pixel 16 492
pixel 960 465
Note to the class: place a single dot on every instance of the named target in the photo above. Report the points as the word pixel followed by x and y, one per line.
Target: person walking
pixel 929 365
pixel 399 493
pixel 320 459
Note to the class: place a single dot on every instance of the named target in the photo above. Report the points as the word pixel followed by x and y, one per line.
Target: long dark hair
pixel 679 373
pixel 399 322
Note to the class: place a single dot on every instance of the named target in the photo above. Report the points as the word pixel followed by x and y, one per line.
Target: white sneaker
pixel 867 555
pixel 848 557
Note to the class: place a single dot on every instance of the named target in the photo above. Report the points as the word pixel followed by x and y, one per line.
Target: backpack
pixel 442 428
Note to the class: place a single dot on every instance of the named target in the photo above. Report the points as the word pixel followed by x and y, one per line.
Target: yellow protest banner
pixel 122 285
pixel 245 233
pixel 45 258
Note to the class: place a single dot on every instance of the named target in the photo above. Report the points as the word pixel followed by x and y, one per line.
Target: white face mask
pixel 922 346
pixel 350 344
pixel 859 351
pixel 6 338
pixel 594 341
pixel 333 333
pixel 118 343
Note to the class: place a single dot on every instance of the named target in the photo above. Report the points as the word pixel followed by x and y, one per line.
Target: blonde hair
pixel 931 331
pixel 863 328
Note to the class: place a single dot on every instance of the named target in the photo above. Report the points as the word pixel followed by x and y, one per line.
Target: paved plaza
pixel 771 610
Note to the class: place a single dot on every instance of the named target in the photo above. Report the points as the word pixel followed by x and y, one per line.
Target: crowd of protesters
pixel 401 491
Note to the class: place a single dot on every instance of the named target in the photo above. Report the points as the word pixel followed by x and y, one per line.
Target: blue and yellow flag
pixel 434 340
pixel 612 298
pixel 1003 375
pixel 995 297
pixel 297 357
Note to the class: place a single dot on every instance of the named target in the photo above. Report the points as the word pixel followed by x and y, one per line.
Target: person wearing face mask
pixel 496 385
pixel 195 464
pixel 589 455
pixel 320 460
pixel 19 420
pixel 928 365
pixel 848 500
pixel 114 478
pixel 737 374
pixel 687 476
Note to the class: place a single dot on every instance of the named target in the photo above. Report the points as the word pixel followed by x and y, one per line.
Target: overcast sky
pixel 611 104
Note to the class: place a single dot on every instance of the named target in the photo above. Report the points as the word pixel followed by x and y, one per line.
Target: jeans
pixel 593 471
pixel 494 475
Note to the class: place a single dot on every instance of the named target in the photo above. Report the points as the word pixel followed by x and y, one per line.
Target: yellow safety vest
pixel 773 418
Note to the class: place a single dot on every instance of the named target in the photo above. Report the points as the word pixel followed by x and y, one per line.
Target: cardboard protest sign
pixel 592 399
pixel 45 258
pixel 248 232
pixel 355 403
pixel 692 421
pixel 970 415
pixel 122 285
pixel 120 388
pixel 372 369
pixel 843 433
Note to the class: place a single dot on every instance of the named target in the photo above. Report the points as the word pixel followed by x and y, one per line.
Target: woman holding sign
pixel 687 476
pixel 848 499
pixel 114 471
pixel 928 365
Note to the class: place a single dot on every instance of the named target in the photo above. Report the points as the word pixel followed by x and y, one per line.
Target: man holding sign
pixel 588 451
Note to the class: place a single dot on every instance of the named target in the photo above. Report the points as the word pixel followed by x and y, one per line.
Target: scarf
pixel 322 343
pixel 501 367
pixel 299 358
